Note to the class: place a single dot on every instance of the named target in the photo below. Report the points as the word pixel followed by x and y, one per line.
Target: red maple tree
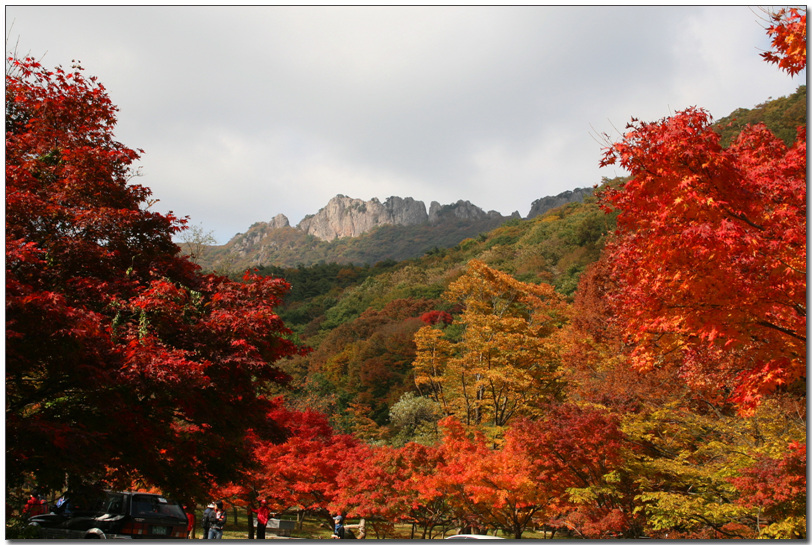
pixel 124 362
pixel 580 454
pixel 709 257
pixel 778 488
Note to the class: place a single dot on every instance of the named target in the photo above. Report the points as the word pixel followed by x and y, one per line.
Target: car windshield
pixel 149 504
pixel 114 504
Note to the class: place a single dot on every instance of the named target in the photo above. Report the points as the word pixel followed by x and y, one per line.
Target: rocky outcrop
pixel 279 221
pixel 461 210
pixel 347 217
pixel 545 204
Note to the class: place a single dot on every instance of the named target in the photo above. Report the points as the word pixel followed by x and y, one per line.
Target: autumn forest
pixel 630 366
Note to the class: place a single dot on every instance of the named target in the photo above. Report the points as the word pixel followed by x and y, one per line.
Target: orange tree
pixel 386 485
pixel 483 487
pixel 123 362
pixel 300 472
pixel 366 488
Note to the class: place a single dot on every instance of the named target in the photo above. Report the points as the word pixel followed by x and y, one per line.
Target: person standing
pixel 338 529
pixel 262 518
pixel 218 522
pixel 190 524
pixel 207 516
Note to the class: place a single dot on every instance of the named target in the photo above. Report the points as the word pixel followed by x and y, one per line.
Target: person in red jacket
pixel 190 526
pixel 36 505
pixel 263 514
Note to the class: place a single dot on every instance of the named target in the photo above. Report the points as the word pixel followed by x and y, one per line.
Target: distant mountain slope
pixel 544 204
pixel 554 248
pixel 353 231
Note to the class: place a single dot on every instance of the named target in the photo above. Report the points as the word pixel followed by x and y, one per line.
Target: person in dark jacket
pixel 338 529
pixel 206 519
pixel 218 522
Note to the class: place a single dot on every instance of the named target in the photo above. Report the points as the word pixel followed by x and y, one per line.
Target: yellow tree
pixel 497 360
pixel 433 353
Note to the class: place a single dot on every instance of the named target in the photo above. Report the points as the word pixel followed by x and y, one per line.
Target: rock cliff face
pixel 462 210
pixel 347 217
pixel 544 204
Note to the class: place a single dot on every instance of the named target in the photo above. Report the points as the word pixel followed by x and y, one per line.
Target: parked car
pixel 473 536
pixel 112 515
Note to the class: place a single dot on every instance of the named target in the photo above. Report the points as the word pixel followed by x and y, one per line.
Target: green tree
pixel 415 419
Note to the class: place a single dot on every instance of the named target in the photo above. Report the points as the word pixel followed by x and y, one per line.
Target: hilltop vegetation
pixel 781 115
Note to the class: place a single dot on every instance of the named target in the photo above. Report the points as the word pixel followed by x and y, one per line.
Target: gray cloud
pixel 246 112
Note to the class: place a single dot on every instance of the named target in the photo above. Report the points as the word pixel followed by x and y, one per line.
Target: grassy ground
pixel 317 529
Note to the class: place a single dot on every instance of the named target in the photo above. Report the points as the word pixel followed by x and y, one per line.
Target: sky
pixel 247 112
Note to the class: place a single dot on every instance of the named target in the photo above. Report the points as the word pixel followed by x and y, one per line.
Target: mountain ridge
pixel 349 230
pixel 345 216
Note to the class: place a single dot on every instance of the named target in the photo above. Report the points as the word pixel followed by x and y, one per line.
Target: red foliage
pixel 301 471
pixel 709 257
pixel 575 448
pixel 123 362
pixel 484 487
pixel 435 317
pixel 778 487
pixel 788 33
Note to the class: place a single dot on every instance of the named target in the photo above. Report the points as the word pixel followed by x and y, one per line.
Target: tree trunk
pixel 250 522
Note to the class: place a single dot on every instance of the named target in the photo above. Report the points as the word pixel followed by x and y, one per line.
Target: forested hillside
pixel 677 394
pixel 555 248
pixel 328 303
pixel 633 365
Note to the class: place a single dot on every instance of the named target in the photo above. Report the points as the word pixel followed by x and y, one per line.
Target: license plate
pixel 160 530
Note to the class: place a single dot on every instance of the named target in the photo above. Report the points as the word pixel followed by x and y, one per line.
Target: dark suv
pixel 111 515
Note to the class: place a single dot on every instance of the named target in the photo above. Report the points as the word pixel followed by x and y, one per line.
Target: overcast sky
pixel 248 112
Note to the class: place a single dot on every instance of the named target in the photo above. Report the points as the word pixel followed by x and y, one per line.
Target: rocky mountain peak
pixel 347 217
